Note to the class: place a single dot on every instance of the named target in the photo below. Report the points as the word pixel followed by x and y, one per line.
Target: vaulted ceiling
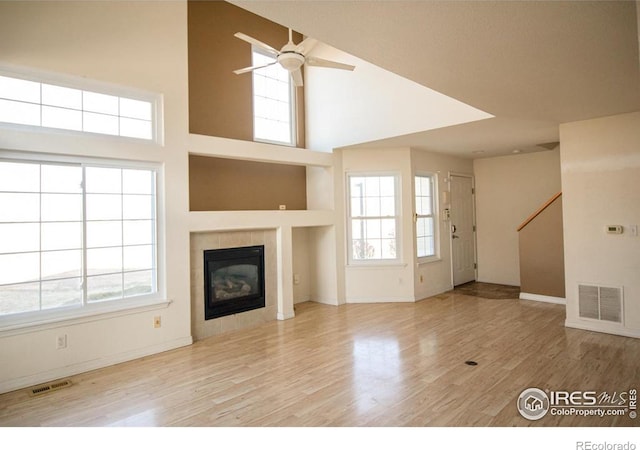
pixel 532 64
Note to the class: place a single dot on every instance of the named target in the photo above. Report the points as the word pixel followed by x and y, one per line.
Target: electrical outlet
pixel 296 278
pixel 421 279
pixel 157 322
pixel 61 341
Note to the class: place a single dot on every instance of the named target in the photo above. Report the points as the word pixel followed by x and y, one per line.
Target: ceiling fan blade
pixel 257 43
pixel 252 68
pixel 296 76
pixel 319 62
pixel 306 46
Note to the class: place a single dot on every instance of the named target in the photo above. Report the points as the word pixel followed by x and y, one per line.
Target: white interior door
pixel 462 229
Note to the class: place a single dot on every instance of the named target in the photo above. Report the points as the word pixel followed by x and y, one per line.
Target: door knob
pixel 453 236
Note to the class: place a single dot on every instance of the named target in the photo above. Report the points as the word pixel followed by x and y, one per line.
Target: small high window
pixel 273 100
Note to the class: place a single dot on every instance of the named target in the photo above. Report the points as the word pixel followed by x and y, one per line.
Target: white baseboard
pixel 285 315
pixel 433 293
pixel 543 298
pixel 75 369
pixel 301 300
pixel 381 300
pixel 326 301
pixel 618 330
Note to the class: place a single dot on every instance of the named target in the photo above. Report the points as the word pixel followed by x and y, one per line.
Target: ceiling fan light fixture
pixel 291 61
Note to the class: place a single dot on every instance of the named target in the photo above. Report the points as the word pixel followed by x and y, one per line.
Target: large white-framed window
pixel 273 101
pixel 426 224
pixel 42 100
pixel 374 214
pixel 76 234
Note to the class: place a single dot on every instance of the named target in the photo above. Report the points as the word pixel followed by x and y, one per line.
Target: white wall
pixel 345 108
pixel 301 265
pixel 436 275
pixel 326 272
pixel 600 183
pixel 141 45
pixel 508 190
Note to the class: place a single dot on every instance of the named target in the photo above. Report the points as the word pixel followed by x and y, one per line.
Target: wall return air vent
pixel 600 303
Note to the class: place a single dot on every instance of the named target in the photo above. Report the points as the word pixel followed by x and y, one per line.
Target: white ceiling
pixel 532 64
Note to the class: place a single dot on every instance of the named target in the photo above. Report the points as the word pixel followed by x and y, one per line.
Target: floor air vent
pixel 600 303
pixel 49 387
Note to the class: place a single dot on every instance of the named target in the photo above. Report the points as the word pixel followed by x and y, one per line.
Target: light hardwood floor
pixel 353 365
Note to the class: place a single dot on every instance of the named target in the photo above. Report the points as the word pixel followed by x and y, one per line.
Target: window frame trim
pixel 293 126
pixel 398 261
pixel 436 218
pixel 88 310
pixel 94 86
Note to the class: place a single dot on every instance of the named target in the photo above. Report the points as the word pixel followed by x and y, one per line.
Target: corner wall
pixel 600 172
pixel 508 190
pixel 436 275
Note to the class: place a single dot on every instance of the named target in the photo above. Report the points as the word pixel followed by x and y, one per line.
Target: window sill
pixel 76 316
pixel 425 261
pixel 380 265
pixel 281 143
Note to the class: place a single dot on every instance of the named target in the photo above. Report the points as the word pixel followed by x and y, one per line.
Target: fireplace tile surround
pixel 201 241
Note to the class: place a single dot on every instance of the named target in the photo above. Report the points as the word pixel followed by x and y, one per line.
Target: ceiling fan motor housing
pixel 290 60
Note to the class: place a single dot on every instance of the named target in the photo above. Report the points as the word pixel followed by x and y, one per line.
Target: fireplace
pixel 233 281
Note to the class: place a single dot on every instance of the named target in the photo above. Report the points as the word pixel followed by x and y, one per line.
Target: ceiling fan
pixel 291 56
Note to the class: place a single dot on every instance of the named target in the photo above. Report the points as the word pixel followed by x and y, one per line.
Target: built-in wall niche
pixel 222 184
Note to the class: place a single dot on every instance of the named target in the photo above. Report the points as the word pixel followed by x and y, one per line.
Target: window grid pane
pixel 425 223
pixel 47 247
pixel 373 217
pixel 25 102
pixel 272 101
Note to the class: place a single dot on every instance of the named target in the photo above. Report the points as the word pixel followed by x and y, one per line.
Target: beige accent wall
pixel 542 253
pixel 220 184
pixel 220 102
pixel 508 190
